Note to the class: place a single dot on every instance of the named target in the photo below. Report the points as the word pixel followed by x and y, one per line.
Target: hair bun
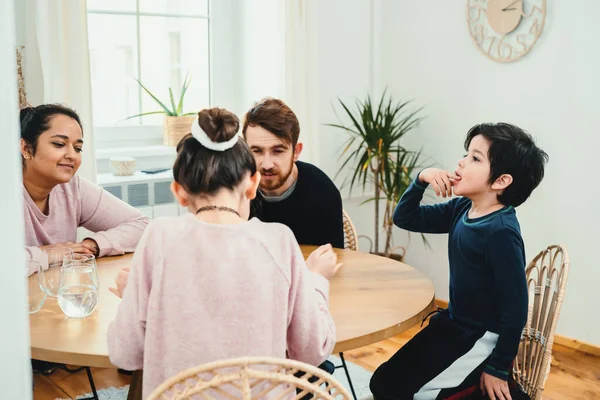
pixel 219 124
pixel 26 113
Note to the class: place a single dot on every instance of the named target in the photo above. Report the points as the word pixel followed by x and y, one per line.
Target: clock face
pixel 505 30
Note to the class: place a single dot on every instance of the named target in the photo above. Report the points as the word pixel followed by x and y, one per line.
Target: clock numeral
pixel 534 9
pixel 479 10
pixel 507 46
pixel 491 46
pixel 478 34
pixel 535 28
pixel 522 40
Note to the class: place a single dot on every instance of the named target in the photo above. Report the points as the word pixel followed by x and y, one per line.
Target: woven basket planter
pixel 176 128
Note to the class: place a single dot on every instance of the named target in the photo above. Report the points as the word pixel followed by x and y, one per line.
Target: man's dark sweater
pixel 488 288
pixel 313 211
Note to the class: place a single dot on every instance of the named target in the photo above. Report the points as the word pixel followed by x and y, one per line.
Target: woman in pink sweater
pixel 57 201
pixel 211 284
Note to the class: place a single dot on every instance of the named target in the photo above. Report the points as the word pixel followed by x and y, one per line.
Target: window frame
pixel 140 135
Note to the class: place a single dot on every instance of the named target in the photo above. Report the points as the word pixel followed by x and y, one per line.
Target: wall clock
pixel 505 30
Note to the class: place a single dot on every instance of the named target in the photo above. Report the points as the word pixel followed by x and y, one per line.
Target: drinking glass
pixel 78 287
pixel 56 256
pixel 36 287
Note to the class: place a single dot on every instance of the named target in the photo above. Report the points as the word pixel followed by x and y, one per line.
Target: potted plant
pixel 375 156
pixel 397 177
pixel 177 123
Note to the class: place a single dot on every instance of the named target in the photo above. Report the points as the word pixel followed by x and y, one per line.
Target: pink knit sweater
pixel 117 226
pixel 201 292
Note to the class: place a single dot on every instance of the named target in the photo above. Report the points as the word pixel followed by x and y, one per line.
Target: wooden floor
pixel 574 375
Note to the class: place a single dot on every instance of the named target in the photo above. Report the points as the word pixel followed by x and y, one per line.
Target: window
pixel 156 41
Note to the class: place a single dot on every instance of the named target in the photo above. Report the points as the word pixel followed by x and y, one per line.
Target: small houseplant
pixel 374 155
pixel 397 177
pixel 177 123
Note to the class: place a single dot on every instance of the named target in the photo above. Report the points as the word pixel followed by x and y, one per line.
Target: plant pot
pixel 393 256
pixel 176 128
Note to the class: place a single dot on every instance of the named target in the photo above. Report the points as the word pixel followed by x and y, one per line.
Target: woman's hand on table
pixel 93 245
pixel 78 248
pixel 323 261
pixel 121 282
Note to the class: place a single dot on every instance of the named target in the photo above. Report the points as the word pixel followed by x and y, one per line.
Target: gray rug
pixel 360 379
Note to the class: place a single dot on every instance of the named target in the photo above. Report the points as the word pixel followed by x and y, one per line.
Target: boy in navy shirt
pixel 471 345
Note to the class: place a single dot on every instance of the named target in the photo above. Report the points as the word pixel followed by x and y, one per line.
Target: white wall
pixel 348 68
pixel 15 370
pixel 262 51
pixel 428 55
pixel 226 57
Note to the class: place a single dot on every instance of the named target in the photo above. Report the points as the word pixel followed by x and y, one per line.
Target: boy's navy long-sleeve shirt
pixel 488 287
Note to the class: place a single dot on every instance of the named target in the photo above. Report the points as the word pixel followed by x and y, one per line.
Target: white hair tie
pixel 205 141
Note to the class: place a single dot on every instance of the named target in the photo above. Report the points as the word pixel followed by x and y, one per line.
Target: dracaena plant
pixel 175 109
pixel 397 176
pixel 374 155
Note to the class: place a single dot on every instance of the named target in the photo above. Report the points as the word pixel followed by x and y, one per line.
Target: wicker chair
pixel 350 235
pixel 350 243
pixel 547 277
pixel 250 378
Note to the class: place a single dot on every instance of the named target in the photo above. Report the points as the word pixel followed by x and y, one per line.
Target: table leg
pixel 135 388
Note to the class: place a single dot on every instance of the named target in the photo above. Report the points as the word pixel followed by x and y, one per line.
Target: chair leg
pixel 348 375
pixel 135 388
pixel 73 371
pixel 91 379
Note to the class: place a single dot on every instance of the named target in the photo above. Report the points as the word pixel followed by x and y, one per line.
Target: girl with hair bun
pixel 211 284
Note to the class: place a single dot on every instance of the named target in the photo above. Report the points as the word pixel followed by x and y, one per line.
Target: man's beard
pixel 278 180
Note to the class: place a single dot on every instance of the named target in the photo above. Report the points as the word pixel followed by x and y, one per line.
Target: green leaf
pixel 172 102
pixel 186 84
pixel 425 241
pixel 367 201
pixel 373 152
pixel 144 114
pixel 351 115
pixel 343 127
pixel 167 111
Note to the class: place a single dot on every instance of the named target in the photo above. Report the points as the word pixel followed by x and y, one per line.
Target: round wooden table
pixel 372 298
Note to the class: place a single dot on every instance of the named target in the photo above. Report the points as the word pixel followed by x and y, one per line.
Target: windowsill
pixel 135 151
pixel 111 179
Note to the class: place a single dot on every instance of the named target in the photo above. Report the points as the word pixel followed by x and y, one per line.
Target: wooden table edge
pixel 87 360
pixel 383 334
pixel 102 361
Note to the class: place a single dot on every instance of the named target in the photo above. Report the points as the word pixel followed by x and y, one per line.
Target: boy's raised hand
pixel 441 181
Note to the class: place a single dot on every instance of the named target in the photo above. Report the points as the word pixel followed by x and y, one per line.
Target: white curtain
pixel 15 375
pixel 57 63
pixel 301 72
